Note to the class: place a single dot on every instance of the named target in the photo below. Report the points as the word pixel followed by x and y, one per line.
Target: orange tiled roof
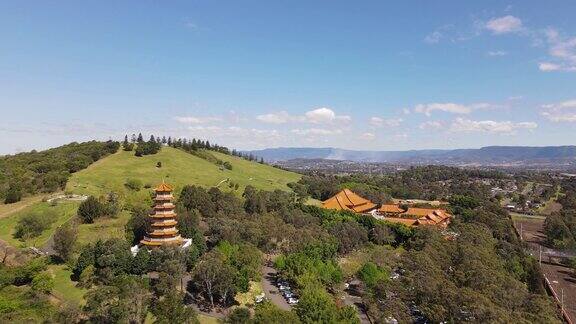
pixel 348 200
pixel 405 221
pixel 391 209
pixel 419 211
pixel 163 187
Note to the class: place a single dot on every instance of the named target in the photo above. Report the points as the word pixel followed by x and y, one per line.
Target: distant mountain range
pixel 490 155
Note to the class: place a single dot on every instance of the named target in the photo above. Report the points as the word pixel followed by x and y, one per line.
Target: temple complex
pixel 162 219
pixel 410 216
pixel 348 200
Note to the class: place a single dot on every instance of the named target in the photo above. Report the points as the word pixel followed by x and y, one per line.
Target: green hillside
pixel 178 168
pixel 111 173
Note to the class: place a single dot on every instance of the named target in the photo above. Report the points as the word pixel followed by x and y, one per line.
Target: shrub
pixel 32 225
pixel 13 195
pixel 133 184
pixel 90 209
pixel 42 283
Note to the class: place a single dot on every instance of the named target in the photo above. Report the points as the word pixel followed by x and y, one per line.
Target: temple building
pixel 409 216
pixel 162 219
pixel 348 200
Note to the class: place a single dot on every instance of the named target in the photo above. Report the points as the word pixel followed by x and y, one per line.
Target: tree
pixel 64 240
pixel 14 194
pixel 138 224
pixel 268 313
pixel 214 278
pixel 382 234
pixel 371 274
pixel 33 224
pixel 170 309
pixel 90 209
pixel 42 283
pixel 240 315
pixel 317 306
pixel 141 263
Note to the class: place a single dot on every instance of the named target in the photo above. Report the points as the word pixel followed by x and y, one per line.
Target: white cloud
pixel 548 67
pixel 380 122
pixel 453 108
pixel 281 117
pixel 316 116
pixel 434 37
pixel 368 136
pixel 196 120
pixel 434 125
pixel 562 51
pixel 560 112
pixel 324 116
pixel 504 25
pixel 316 131
pixel 489 126
pixel 497 53
pixel 401 136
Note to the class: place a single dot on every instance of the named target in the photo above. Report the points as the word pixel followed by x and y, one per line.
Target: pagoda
pixel 162 219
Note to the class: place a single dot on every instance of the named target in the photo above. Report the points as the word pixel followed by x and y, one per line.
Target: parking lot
pixel 271 291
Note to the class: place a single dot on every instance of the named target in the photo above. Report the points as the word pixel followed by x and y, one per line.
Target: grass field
pixel 64 288
pixel 178 168
pixel 63 211
pixel 8 209
pixel 203 319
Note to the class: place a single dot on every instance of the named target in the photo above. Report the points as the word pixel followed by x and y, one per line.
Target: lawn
pixel 63 211
pixel 247 298
pixel 103 228
pixel 203 319
pixel 178 168
pixel 8 209
pixel 64 288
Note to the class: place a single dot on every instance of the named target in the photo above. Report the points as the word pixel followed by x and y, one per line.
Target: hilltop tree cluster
pixel 47 171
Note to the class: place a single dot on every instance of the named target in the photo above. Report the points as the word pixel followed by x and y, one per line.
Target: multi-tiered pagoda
pixel 162 219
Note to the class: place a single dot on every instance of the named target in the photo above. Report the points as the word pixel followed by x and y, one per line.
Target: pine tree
pixel 140 138
pixel 169 140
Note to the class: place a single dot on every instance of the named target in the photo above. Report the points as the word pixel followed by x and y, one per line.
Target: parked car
pixel 293 301
pixel 288 294
pixel 282 287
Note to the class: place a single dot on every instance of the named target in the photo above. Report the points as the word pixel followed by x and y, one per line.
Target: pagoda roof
pixel 163 187
pixel 348 200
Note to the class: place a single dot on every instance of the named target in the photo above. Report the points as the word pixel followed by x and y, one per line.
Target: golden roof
pixel 391 209
pixel 163 187
pixel 348 200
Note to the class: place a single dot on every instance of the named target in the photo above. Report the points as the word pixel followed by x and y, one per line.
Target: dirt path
pixel 7 210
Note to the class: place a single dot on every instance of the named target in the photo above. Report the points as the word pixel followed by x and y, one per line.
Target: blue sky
pixel 376 75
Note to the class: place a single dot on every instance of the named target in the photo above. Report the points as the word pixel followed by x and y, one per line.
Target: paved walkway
pixel 270 289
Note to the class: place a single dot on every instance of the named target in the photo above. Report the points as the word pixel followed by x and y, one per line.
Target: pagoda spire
pixel 162 219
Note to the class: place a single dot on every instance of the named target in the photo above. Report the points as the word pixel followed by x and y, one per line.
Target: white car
pixel 282 287
pixel 292 301
pixel 288 294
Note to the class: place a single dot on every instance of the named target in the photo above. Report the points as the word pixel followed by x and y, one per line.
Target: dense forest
pixel 560 227
pixel 47 171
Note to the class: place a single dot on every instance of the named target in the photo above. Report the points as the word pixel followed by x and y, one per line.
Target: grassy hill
pixel 111 173
pixel 178 168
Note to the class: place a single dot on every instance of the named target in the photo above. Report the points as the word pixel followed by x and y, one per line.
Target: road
pixel 562 279
pixel 270 289
pixel 352 298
